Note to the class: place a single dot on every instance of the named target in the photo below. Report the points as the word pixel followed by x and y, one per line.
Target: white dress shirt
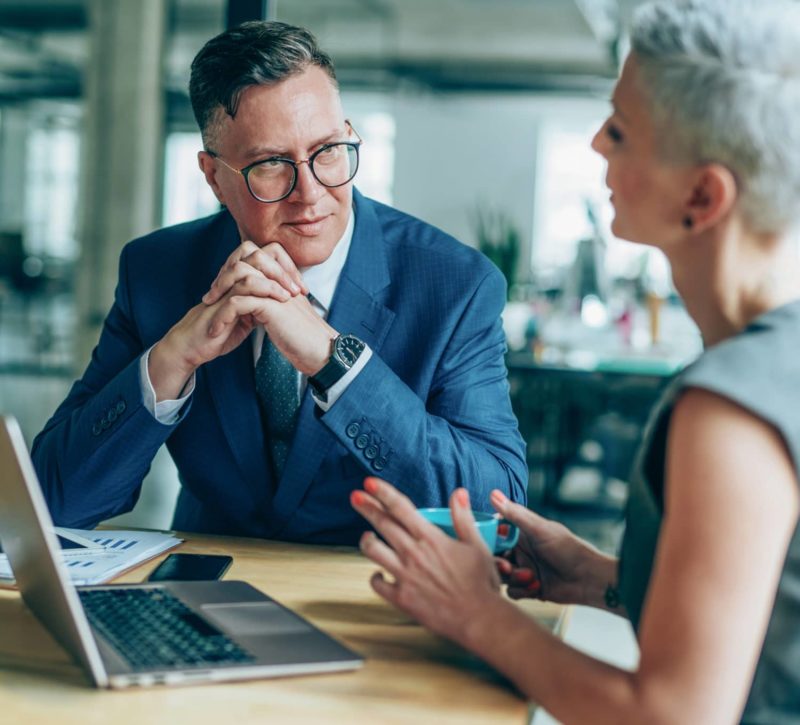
pixel 321 281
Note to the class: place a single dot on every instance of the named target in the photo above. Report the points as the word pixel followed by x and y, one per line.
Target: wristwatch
pixel 346 349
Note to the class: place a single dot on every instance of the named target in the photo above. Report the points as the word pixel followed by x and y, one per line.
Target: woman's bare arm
pixel 731 508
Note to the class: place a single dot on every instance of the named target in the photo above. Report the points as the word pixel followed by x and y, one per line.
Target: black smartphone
pixel 191 567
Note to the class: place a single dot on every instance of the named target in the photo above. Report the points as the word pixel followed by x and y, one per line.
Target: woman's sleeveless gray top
pixel 759 369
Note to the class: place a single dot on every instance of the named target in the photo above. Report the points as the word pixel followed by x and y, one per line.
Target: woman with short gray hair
pixel 703 152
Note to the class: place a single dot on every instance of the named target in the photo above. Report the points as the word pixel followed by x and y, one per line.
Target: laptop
pixel 169 633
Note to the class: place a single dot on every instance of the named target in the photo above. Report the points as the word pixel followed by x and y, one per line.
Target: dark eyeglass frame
pixel 245 172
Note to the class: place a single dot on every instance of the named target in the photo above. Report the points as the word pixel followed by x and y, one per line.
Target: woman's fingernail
pixel 295 288
pixel 498 496
pixel 371 485
pixel 462 496
pixel 364 541
pixel 523 575
pixel 357 498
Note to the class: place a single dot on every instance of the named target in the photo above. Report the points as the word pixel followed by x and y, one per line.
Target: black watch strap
pixel 327 377
pixel 345 351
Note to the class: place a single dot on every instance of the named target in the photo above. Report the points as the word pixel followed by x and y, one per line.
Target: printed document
pixel 94 557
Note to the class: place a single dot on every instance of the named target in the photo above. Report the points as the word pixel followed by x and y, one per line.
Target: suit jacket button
pixel 120 407
pixel 362 441
pixel 112 415
pixel 96 429
pixel 105 424
pixel 370 452
pixel 352 430
pixel 379 463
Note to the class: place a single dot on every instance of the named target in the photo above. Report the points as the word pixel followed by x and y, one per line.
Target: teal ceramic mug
pixel 486 524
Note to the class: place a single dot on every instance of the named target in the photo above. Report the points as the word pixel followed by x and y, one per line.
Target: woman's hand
pixel 447 585
pixel 550 562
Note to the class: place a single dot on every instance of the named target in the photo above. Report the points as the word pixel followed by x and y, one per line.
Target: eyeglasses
pixel 273 179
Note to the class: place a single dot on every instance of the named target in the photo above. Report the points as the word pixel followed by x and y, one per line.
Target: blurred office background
pixel 476 116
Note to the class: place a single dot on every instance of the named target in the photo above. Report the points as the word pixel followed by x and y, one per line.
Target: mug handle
pixel 509 541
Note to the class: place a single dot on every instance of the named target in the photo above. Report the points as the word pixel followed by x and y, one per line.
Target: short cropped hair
pixel 257 52
pixel 723 80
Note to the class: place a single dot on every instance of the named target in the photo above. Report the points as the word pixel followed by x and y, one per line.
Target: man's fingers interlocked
pixel 281 256
pixel 232 308
pixel 256 285
pixel 270 262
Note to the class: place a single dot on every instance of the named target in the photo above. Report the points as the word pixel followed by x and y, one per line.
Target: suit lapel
pixel 231 381
pixel 356 308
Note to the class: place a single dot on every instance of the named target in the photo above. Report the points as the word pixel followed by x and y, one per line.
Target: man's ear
pixel 206 163
pixel 713 196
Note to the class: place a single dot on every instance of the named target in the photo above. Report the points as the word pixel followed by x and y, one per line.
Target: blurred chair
pixel 561 409
pixel 33 293
pixel 12 256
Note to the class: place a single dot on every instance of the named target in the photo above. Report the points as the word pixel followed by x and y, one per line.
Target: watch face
pixel 348 348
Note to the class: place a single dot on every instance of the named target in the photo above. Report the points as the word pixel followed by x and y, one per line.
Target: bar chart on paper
pixel 94 557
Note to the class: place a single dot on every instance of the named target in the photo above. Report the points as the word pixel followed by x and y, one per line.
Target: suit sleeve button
pixel 352 430
pixel 112 415
pixel 379 463
pixel 362 441
pixel 96 429
pixel 371 452
pixel 105 424
pixel 120 407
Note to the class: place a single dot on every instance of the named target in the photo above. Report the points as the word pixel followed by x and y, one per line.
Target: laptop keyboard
pixel 152 629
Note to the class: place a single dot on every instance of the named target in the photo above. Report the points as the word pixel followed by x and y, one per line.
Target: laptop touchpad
pixel 256 618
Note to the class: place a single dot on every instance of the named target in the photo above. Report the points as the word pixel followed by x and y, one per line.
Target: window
pixel 52 181
pixel 187 196
pixel 376 165
pixel 572 201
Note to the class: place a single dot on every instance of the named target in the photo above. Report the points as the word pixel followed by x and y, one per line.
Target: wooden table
pixel 410 675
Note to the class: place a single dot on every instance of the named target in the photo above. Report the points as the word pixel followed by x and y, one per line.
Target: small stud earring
pixel 688 222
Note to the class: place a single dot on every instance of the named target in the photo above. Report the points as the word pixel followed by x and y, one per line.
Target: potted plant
pixel 498 239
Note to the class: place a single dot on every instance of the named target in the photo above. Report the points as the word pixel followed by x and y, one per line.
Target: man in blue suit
pixel 302 338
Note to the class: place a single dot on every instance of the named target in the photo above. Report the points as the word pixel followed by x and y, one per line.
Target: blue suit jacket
pixel 429 412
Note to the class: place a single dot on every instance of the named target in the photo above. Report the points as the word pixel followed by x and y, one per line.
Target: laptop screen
pixel 27 537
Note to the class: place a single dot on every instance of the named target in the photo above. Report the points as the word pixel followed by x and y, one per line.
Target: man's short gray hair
pixel 723 77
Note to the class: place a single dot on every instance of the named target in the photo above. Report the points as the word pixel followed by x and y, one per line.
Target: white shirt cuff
pixel 336 390
pixel 165 412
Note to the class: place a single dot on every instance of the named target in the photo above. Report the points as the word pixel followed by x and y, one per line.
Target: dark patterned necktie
pixel 276 387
